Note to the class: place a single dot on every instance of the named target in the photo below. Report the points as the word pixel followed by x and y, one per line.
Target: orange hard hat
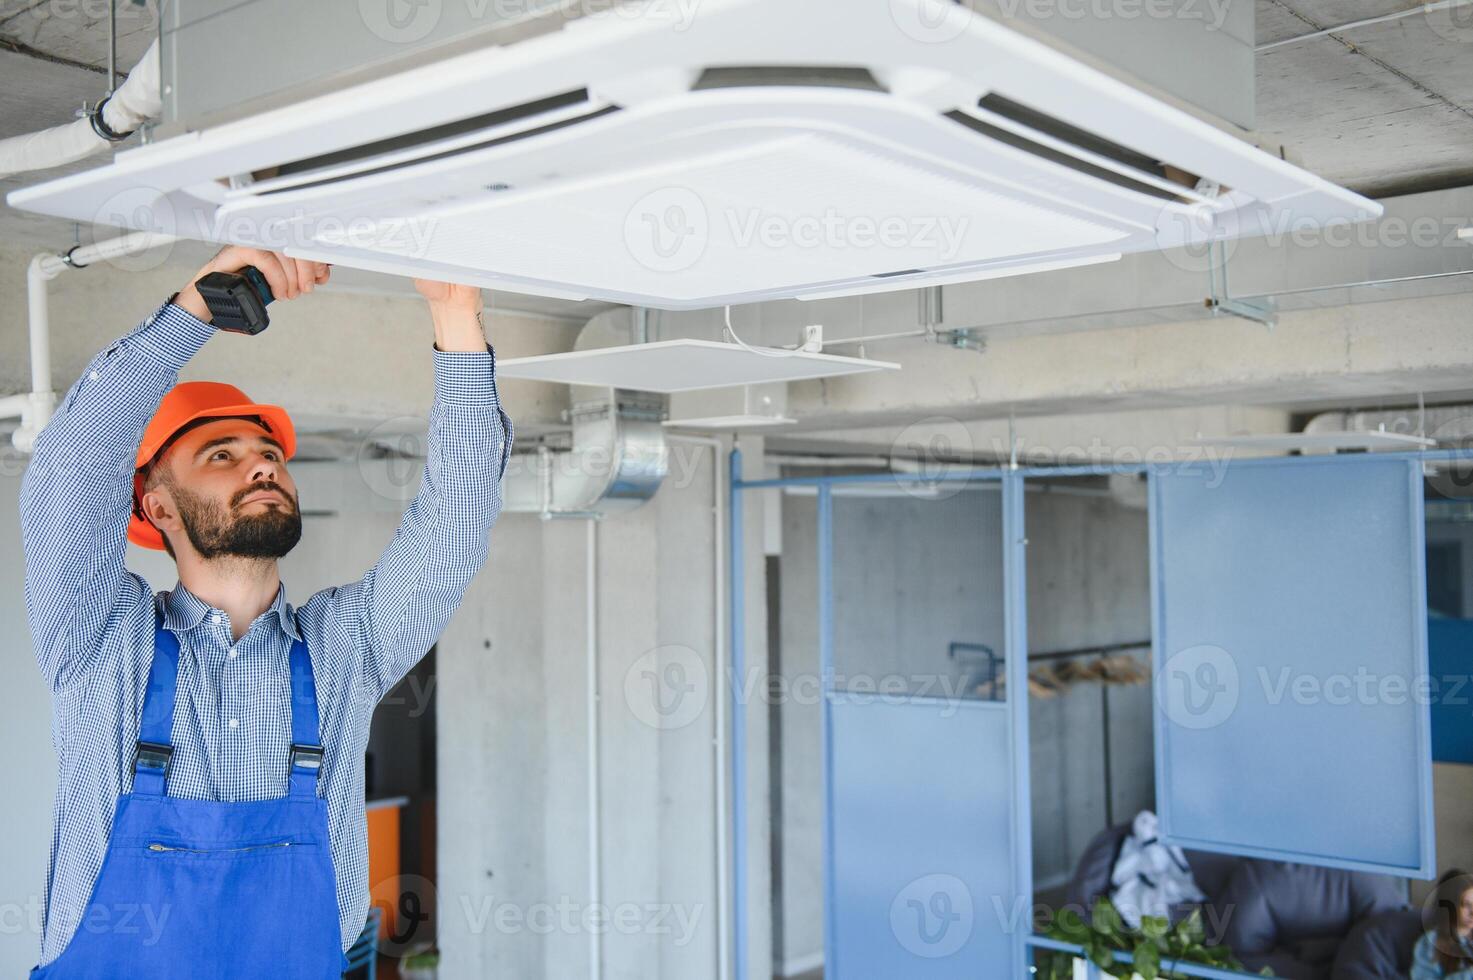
pixel 186 402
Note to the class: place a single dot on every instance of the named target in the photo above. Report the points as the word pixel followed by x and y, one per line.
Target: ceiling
pixel 1384 109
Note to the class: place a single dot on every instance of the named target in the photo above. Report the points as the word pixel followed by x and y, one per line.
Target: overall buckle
pixel 306 756
pixel 154 755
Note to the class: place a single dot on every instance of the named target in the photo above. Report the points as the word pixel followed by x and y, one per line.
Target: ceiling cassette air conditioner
pixel 757 149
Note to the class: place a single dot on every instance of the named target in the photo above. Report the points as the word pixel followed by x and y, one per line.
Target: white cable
pixel 768 352
pixel 1425 8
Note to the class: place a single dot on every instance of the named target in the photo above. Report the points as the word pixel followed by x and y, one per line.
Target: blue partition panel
pixel 1292 715
pixel 921 847
pixel 1450 652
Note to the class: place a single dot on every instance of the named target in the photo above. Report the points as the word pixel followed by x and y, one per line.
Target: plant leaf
pixel 1069 926
pixel 1155 926
pixel 1147 959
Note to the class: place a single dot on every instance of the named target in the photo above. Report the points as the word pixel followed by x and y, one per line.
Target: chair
pixel 1294 918
pixel 363 955
pixel 1380 947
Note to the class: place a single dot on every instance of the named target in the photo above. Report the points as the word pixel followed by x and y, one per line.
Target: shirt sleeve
pixel 77 491
pixel 442 541
pixel 1424 964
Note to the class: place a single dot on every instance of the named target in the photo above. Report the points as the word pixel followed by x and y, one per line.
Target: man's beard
pixel 269 534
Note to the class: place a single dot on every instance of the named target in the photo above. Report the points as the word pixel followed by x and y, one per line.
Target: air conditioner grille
pixel 1059 157
pixel 805 76
pixel 436 134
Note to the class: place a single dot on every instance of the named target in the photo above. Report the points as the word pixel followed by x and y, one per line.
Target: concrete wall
pixel 516 900
pixel 910 576
pixel 1088 584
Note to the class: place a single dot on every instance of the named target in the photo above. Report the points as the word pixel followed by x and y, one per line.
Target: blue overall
pixel 231 890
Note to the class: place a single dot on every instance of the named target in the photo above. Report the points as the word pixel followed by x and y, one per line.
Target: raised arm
pixel 78 489
pixel 406 600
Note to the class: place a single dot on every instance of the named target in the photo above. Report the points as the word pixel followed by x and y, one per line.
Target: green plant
pixel 421 960
pixel 1153 948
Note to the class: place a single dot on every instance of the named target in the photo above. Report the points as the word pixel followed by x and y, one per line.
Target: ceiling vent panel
pixel 621 159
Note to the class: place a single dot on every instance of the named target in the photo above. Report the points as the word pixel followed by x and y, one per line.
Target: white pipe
pixel 719 723
pixel 135 102
pixel 595 850
pixel 38 274
pixel 35 409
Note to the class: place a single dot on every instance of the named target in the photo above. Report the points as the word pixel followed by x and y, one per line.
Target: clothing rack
pixel 990 674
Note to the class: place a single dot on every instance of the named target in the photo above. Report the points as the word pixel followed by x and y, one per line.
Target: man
pixel 209 816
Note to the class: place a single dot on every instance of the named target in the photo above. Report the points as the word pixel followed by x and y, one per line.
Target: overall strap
pixel 151 764
pixel 306 751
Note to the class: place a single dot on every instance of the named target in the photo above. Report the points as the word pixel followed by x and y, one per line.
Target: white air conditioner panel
pixel 642 186
pixel 777 215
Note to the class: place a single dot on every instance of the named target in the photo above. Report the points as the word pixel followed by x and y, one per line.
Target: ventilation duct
pixel 617 456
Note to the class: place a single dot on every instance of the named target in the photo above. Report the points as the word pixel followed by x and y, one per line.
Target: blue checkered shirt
pixel 92 620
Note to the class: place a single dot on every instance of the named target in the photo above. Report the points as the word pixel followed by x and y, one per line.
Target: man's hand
pixel 456 312
pixel 288 278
